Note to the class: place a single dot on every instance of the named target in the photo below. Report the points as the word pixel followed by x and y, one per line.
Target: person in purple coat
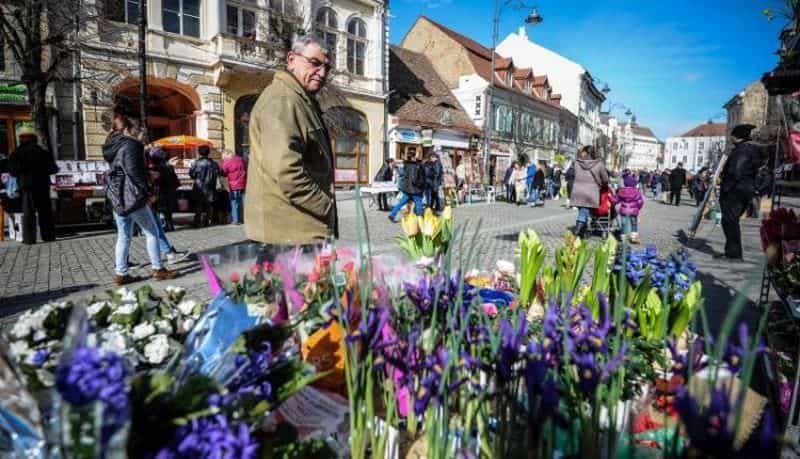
pixel 629 202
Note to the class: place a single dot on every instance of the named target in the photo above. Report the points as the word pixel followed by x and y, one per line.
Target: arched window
pixel 356 46
pixel 350 134
pixel 327 26
pixel 241 113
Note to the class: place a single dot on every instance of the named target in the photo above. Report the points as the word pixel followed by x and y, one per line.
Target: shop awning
pixel 180 142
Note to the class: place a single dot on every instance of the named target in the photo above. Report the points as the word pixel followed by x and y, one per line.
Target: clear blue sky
pixel 675 63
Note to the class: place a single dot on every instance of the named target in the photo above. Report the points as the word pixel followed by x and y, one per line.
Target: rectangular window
pixel 356 56
pixel 181 17
pixel 674 159
pixel 478 105
pixel 232 14
pixel 700 145
pixel 699 159
pixel 684 158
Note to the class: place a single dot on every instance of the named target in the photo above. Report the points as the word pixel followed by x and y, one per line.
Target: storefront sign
pixel 345 175
pixel 14 93
pixel 427 137
pixel 407 135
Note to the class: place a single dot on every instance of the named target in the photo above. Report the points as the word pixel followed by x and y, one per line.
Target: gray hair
pixel 300 43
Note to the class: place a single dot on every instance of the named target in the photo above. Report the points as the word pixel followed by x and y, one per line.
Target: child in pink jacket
pixel 629 202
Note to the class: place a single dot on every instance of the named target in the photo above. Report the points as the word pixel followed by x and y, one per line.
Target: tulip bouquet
pixel 426 236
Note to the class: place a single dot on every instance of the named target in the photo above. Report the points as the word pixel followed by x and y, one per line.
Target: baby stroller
pixel 604 217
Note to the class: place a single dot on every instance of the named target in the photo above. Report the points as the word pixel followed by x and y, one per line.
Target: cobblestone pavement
pixel 81 265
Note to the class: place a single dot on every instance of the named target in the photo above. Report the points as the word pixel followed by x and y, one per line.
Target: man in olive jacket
pixel 290 198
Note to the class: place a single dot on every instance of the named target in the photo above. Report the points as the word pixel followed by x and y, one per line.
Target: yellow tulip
pixel 431 224
pixel 447 213
pixel 410 225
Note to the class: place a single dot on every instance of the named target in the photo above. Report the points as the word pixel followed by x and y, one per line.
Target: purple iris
pixel 434 382
pixel 735 352
pixel 511 348
pixel 370 328
pixel 540 386
pixel 680 361
pixel 211 437
pixel 592 372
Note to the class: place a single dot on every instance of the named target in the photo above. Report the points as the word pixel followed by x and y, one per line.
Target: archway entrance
pixel 171 106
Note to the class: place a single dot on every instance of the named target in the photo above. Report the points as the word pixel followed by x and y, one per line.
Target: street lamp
pixel 532 18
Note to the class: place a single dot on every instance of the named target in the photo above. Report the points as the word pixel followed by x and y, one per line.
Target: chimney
pixel 523 32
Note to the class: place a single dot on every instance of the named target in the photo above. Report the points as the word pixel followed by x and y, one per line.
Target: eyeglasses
pixel 316 63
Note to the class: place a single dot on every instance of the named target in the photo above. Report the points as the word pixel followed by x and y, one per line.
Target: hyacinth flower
pixel 710 430
pixel 210 437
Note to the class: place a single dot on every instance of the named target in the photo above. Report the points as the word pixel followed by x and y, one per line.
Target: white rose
pixel 95 308
pixel 115 342
pixel 186 307
pixel 21 328
pixel 126 296
pixel 172 290
pixel 143 330
pixel 505 267
pixel 19 349
pixel 260 309
pixel 39 335
pixel 127 308
pixel 187 325
pixel 157 349
pixel 163 326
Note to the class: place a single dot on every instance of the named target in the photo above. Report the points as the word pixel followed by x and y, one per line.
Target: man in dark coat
pixel 32 165
pixel 677 179
pixel 205 173
pixel 434 175
pixel 412 184
pixel 737 188
pixel 385 174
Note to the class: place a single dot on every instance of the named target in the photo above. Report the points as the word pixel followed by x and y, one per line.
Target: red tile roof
pixel 540 80
pixel 707 130
pixel 420 96
pixel 523 74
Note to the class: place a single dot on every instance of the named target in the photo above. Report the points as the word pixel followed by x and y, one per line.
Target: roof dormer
pixel 504 67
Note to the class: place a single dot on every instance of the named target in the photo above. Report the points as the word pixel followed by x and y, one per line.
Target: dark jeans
pixel 383 201
pixel 432 199
pixel 204 207
pixel 36 203
pixel 237 199
pixel 511 193
pixel 733 205
pixel 675 196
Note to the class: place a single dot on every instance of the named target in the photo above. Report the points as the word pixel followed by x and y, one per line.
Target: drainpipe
pixel 385 56
pixel 75 53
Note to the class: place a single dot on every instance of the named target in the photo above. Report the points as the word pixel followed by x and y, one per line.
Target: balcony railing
pixel 244 50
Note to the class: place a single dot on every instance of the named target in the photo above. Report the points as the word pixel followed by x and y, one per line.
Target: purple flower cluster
pixel 735 352
pixel 710 430
pixel 671 276
pixel 681 361
pixel 437 290
pixel 587 342
pixel 211 437
pixel 92 375
pixel 251 377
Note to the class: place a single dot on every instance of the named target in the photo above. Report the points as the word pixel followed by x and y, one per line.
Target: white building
pixel 570 79
pixel 630 145
pixel 696 148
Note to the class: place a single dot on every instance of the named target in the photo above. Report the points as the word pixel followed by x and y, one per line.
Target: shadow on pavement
pixel 14 304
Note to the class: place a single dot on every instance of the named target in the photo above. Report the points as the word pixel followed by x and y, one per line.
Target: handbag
pixel 124 196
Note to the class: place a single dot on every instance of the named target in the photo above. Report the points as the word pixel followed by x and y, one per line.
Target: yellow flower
pixel 410 225
pixel 447 213
pixel 431 224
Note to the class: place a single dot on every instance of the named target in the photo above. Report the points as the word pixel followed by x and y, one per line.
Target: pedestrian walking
pixel 434 175
pixel 385 174
pixel 290 197
pixel 677 179
pixel 629 200
pixel 234 170
pixel 539 184
pixel 127 191
pixel 655 184
pixel 557 183
pixel 205 173
pixel 530 175
pixel 520 178
pixel 665 188
pixel 508 184
pixel 570 178
pixel 165 184
pixel 32 166
pixel 737 188
pixel 644 178
pixel 590 176
pixel 412 184
pixel 701 186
